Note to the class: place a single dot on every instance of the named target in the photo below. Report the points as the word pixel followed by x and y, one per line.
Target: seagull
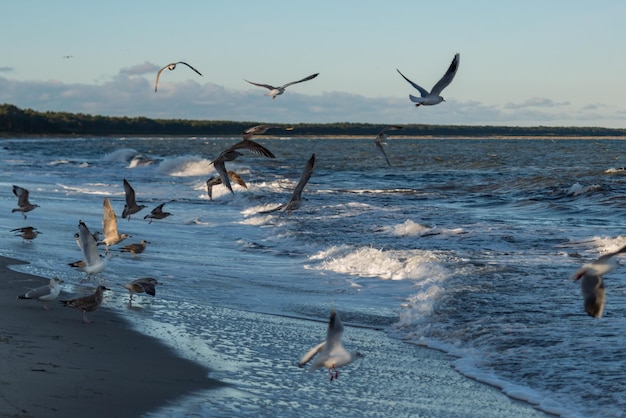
pixel 171 67
pixel 277 91
pixel 330 353
pixel 157 213
pixel 296 197
pixel 93 263
pixel 22 201
pixel 215 181
pixel 109 227
pixel 380 140
pixel 87 303
pixel 26 232
pixel 135 249
pixel 131 205
pixel 592 284
pixel 231 154
pixel 433 98
pixel 143 285
pixel 44 293
pixel 261 129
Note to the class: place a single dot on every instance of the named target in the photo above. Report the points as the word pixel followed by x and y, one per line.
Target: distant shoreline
pixel 16 122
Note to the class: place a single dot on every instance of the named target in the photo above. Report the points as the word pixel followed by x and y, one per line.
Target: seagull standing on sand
pixel 592 284
pixel 135 249
pixel 87 303
pixel 277 91
pixel 171 67
pixel 22 201
pixel 26 232
pixel 261 129
pixel 44 293
pixel 157 213
pixel 131 205
pixel 231 154
pixel 380 140
pixel 433 97
pixel 296 198
pixel 143 285
pixel 109 227
pixel 330 353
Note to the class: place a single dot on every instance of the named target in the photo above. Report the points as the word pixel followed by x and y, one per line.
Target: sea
pixel 463 245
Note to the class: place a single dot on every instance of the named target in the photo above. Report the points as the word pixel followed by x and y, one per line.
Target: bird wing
pixel 311 77
pixel 237 179
pixel 422 91
pixel 158 210
pixel 88 245
pixel 22 196
pixel 381 149
pixel 334 332
pixel 311 353
pixel 221 170
pixel 109 220
pixel 267 86
pixel 252 146
pixel 447 77
pixel 184 63
pixel 129 193
pixel 389 128
pixel 39 292
pixel 156 83
pixel 304 179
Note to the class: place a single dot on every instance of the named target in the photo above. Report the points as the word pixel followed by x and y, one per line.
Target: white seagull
pixel 277 91
pixel 330 353
pixel 433 98
pixel 592 284
pixel 380 140
pixel 93 263
pixel 109 227
pixel 22 201
pixel 44 293
pixel 171 67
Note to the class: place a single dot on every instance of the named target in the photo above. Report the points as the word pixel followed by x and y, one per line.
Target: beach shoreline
pixel 55 365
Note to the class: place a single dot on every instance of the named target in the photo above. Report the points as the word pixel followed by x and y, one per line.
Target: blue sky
pixel 536 62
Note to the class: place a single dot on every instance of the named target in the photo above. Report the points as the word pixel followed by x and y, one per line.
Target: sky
pixel 523 63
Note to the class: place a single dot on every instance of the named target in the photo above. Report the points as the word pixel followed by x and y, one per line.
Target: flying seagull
pixel 433 98
pixel 296 198
pixel 592 284
pixel 380 140
pixel 171 67
pixel 277 91
pixel 231 154
pixel 157 213
pixel 135 249
pixel 330 353
pixel 87 303
pixel 216 180
pixel 131 205
pixel 26 232
pixel 44 293
pixel 22 201
pixel 93 263
pixel 109 227
pixel 261 129
pixel 143 285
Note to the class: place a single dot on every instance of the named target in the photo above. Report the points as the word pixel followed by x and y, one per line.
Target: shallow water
pixel 465 245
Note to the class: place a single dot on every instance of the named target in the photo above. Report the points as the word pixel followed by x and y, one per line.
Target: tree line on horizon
pixel 16 121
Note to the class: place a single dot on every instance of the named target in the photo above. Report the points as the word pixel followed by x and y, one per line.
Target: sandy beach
pixel 55 365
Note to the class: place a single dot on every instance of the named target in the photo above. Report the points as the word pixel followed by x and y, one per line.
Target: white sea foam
pixel 186 166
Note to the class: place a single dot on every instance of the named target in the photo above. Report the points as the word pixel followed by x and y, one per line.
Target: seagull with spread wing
pixel 380 141
pixel 171 67
pixel 22 201
pixel 433 97
pixel 277 91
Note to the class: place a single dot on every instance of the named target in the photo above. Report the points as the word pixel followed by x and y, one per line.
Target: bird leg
pixel 85 320
pixel 334 373
pixel 45 306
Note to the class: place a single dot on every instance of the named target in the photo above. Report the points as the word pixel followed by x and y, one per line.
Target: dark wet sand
pixel 53 365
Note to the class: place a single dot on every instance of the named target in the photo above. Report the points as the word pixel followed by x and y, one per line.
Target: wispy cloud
pixel 140 69
pixel 536 102
pixel 6 69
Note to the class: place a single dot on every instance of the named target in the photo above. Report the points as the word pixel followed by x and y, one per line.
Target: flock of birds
pixel 330 353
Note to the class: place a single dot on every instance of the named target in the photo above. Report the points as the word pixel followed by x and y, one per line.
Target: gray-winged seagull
pixel 380 140
pixel 171 67
pixel 277 91
pixel 433 97
pixel 44 293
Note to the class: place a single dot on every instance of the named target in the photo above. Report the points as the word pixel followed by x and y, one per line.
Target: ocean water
pixel 463 245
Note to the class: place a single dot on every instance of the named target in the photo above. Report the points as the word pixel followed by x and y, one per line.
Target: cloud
pixel 140 69
pixel 536 102
pixel 131 93
pixel 6 69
